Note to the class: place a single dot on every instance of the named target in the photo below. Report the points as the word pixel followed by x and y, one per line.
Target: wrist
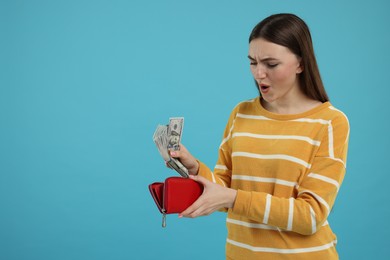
pixel 195 168
pixel 231 198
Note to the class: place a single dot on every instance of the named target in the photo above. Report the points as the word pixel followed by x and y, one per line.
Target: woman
pixel 283 154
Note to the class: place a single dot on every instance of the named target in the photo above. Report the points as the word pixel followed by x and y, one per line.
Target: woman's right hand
pixel 186 159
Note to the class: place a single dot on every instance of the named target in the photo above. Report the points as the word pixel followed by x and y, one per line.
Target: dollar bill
pixel 175 130
pixel 175 164
pixel 162 138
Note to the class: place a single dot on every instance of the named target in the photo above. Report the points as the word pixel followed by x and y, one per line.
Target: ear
pixel 300 67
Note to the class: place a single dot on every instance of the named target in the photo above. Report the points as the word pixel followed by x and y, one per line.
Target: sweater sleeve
pixel 316 193
pixel 223 169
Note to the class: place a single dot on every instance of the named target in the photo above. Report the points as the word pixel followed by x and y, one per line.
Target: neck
pixel 294 105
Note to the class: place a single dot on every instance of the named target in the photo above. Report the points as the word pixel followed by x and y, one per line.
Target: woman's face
pixel 275 69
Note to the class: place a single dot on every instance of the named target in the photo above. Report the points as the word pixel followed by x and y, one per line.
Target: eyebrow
pixel 262 60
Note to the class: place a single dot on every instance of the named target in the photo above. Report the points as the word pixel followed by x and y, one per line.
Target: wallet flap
pixel 180 193
pixel 156 190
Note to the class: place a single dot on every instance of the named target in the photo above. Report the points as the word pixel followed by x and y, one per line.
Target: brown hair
pixel 292 32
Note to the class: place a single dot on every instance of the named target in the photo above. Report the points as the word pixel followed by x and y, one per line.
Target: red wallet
pixel 175 194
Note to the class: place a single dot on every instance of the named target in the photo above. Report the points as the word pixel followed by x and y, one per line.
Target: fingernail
pixel 180 216
pixel 173 153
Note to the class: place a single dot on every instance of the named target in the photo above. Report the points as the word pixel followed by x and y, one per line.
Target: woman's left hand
pixel 214 197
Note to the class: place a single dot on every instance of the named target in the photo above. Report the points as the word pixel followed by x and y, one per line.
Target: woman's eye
pixel 253 63
pixel 272 65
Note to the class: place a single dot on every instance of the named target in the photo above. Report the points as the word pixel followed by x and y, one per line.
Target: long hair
pixel 292 32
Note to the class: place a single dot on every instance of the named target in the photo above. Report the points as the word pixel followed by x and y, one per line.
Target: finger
pixel 201 211
pixel 174 154
pixel 166 164
pixel 187 212
pixel 178 153
pixel 183 148
pixel 200 179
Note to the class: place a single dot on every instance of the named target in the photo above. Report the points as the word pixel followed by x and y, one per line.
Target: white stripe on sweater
pixel 282 250
pixel 325 179
pixel 313 220
pixel 303 120
pixel 251 225
pixel 269 227
pixel 221 167
pixel 335 109
pixel 228 136
pixel 267 208
pixel 330 137
pixel 309 120
pixel 212 176
pixel 279 137
pixel 272 156
pixel 265 180
pixel 317 197
pixel 290 214
pixel 252 117
pixel 215 181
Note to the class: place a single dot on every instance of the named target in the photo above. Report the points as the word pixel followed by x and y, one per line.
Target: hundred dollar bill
pixel 175 130
pixel 161 139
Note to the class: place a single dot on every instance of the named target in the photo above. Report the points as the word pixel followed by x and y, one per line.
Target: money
pixel 175 164
pixel 168 137
pixel 175 129
pixel 160 138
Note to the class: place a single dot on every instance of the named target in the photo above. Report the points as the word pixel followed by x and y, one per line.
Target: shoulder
pixel 329 113
pixel 246 106
pixel 338 116
pixel 338 120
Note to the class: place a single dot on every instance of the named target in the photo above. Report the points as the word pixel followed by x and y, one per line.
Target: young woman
pixel 283 154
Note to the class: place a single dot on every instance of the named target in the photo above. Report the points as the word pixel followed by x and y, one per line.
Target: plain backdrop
pixel 83 85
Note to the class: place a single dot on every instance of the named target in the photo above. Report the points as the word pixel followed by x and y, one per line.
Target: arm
pixel 317 192
pixel 217 193
pixel 222 171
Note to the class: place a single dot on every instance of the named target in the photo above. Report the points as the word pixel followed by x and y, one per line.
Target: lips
pixel 264 88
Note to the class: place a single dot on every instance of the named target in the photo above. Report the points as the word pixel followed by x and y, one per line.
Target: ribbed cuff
pixel 242 203
pixel 203 169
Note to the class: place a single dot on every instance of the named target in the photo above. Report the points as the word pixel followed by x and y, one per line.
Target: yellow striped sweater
pixel 287 170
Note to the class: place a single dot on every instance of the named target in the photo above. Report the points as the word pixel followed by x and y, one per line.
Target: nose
pixel 260 72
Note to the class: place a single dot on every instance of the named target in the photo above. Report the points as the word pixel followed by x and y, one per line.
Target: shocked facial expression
pixel 275 69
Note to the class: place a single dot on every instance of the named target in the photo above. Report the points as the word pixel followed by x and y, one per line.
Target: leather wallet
pixel 175 194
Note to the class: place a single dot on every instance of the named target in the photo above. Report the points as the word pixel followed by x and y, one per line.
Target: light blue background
pixel 83 84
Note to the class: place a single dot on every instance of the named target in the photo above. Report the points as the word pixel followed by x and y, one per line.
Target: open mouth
pixel 264 88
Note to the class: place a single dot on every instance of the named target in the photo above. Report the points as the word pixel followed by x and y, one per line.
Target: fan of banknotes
pixel 168 137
